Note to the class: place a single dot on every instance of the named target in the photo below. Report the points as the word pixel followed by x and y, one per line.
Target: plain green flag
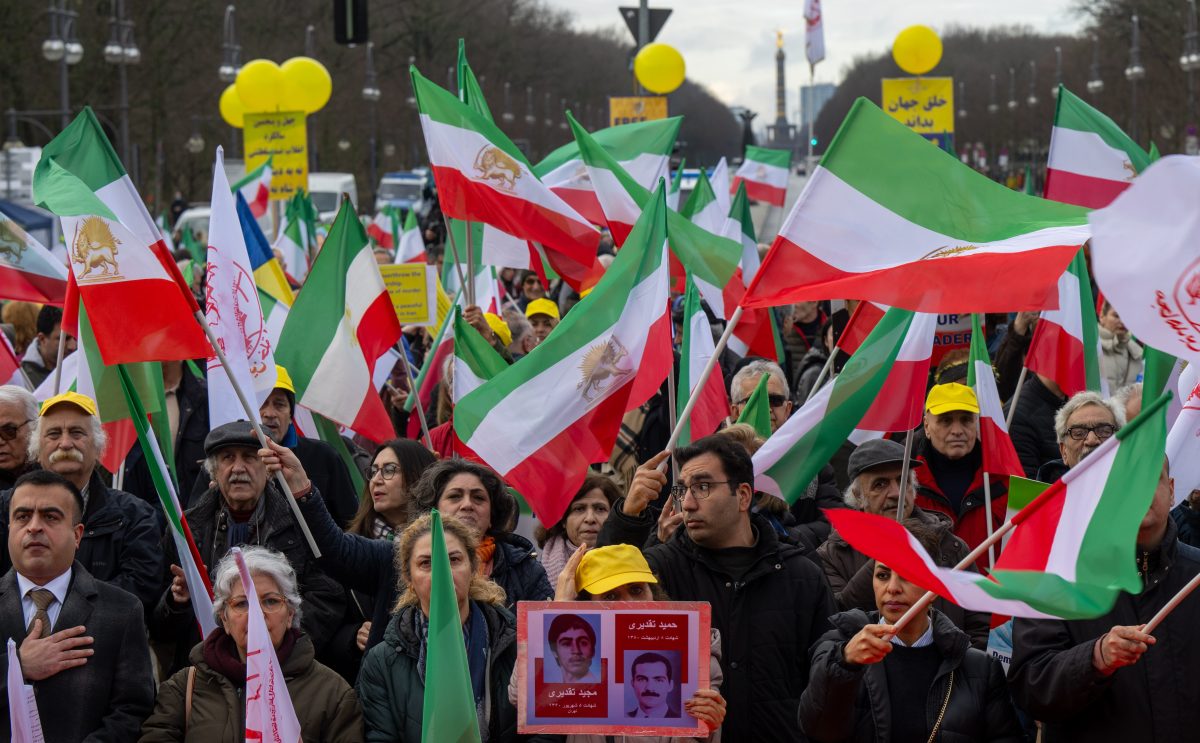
pixel 758 409
pixel 448 713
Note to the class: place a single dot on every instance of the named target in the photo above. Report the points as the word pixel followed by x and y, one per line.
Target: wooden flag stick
pixel 1175 601
pixel 412 390
pixel 457 266
pixel 905 473
pixel 987 504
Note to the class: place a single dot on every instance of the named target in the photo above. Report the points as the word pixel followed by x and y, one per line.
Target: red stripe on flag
pixel 964 283
pixel 1055 353
pixel 143 321
pixel 657 361
pixel 761 191
pixel 25 286
pixel 999 456
pixel 900 401
pixel 378 331
pixel 1081 190
pixel 584 202
pixel 887 541
pixel 121 435
pixel 1028 547
pixel 754 330
pixel 862 321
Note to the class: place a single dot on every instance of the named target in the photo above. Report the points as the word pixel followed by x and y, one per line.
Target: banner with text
pixel 281 136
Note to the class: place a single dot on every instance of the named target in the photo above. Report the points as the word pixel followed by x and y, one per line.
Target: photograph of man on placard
pixel 571 642
pixel 652 687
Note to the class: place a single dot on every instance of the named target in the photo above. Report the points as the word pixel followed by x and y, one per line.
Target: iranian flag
pixel 1091 160
pixel 739 227
pixel 863 227
pixel 1066 342
pixel 765 173
pixel 255 188
pixel 541 422
pixel 795 453
pixel 862 321
pixel 482 177
pixel 673 192
pixel 712 406
pixel 1072 551
pixel 643 149
pixel 138 302
pixel 29 272
pixel 757 333
pixel 719 180
pixel 900 404
pixel 475 361
pixel 488 246
pixel 383 227
pixel 411 247
pixel 999 456
pixel 430 374
pixel 341 323
pixel 295 240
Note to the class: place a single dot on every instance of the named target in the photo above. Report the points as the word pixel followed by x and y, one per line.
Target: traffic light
pixel 350 21
pixel 813 141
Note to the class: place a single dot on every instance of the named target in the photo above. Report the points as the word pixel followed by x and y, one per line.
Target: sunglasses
pixel 775 401
pixel 9 431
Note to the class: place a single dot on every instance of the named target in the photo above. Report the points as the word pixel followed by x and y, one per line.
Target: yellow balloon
pixel 306 85
pixel 231 107
pixel 260 85
pixel 659 68
pixel 917 50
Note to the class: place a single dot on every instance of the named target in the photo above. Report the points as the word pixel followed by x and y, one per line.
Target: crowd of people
pixel 802 645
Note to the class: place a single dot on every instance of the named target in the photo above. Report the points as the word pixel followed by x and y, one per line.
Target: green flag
pixel 1156 373
pixel 758 409
pixel 448 711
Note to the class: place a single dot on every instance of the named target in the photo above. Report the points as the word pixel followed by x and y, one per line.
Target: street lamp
pixel 562 105
pixel 63 47
pixel 1012 89
pixel 993 107
pixel 1190 59
pixel 195 143
pixel 1095 84
pixel 962 101
pixel 1032 100
pixel 230 50
pixel 121 50
pixel 548 121
pixel 1133 73
pixel 508 114
pixel 529 117
pixel 371 94
pixel 1057 72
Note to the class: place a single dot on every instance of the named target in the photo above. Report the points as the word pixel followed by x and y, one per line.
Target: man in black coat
pixel 121 532
pixel 82 642
pixel 769 600
pixel 1032 430
pixel 1104 679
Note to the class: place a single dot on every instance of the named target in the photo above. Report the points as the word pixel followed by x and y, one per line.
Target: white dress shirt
pixel 58 587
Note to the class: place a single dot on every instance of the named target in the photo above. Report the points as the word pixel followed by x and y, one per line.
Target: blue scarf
pixel 475 636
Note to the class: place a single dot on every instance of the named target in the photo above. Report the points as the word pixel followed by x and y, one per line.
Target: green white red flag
pixel 1091 160
pixel 340 325
pixel 999 456
pixel 757 333
pixel 296 241
pixel 475 361
pixel 28 271
pixel 944 246
pixel 138 302
pixel 1066 342
pixel 255 188
pixel 900 404
pixel 410 248
pixel 673 191
pixel 797 451
pixel 383 227
pixel 756 411
pixel 567 397
pixel 712 406
pixel 1073 549
pixel 765 173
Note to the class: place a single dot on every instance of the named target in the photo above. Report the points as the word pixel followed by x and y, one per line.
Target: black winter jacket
pixel 1032 429
pixel 189 448
pixel 1187 523
pixel 845 702
pixel 367 565
pixel 767 620
pixel 120 544
pixel 1156 699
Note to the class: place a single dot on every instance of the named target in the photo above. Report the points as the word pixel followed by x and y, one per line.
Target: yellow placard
pixel 282 137
pixel 412 288
pixel 923 104
pixel 628 109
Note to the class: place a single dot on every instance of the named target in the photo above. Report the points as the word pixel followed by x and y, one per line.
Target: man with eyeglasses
pixel 1081 426
pixel 18 411
pixel 746 379
pixel 245 507
pixel 769 600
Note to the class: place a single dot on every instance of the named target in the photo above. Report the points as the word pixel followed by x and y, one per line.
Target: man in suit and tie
pixel 81 642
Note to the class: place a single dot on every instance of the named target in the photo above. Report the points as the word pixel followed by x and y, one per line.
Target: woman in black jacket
pixel 925 682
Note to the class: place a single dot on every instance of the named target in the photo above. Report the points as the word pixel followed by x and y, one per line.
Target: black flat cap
pixel 875 453
pixel 238 433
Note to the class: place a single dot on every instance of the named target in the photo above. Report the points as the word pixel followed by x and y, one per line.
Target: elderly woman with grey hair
pixel 207 701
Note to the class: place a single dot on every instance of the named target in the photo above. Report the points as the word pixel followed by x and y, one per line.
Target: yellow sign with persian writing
pixel 282 137
pixel 412 288
pixel 629 109
pixel 923 104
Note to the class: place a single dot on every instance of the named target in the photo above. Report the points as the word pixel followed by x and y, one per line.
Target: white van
pixel 326 190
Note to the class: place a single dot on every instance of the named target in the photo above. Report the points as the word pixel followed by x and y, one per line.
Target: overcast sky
pixel 729 45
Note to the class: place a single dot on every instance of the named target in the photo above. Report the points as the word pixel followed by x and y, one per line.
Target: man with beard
pixel 573 644
pixel 1085 422
pixel 653 682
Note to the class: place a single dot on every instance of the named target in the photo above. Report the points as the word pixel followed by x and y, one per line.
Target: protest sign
pixel 412 289
pixel 282 138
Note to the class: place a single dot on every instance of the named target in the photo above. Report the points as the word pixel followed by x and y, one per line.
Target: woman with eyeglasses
pixel 206 702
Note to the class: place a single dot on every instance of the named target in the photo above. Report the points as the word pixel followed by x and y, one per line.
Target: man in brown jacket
pixel 874 471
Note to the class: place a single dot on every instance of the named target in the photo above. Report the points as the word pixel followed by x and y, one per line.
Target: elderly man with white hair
pixel 121 536
pixel 205 700
pixel 746 379
pixel 875 488
pixel 18 413
pixel 1085 422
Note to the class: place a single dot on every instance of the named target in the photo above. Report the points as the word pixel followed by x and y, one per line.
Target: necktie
pixel 42 599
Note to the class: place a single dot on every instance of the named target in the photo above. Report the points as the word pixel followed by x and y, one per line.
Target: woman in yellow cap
pixel 620 572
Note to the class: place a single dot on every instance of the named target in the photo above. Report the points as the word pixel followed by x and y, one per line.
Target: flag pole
pixel 825 371
pixel 62 347
pixel 677 429
pixel 671 405
pixel 987 504
pixel 470 288
pixel 1175 601
pixel 1012 403
pixel 905 473
pixel 458 266
pixel 262 437
pixel 412 390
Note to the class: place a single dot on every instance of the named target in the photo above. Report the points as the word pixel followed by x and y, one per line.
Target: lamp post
pixel 1190 59
pixel 992 107
pixel 310 47
pixel 962 102
pixel 507 116
pixel 1032 100
pixel 1012 89
pixel 62 46
pixel 1057 72
pixel 530 119
pixel 230 58
pixel 1133 73
pixel 371 94
pixel 1095 84
pixel 121 50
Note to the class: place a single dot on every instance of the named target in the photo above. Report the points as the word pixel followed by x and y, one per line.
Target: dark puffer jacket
pixel 845 702
pixel 1052 676
pixel 391 688
pixel 768 619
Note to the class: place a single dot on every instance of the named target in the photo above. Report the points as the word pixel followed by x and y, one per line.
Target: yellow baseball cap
pixel 283 380
pixel 944 398
pixel 83 402
pixel 541 307
pixel 499 327
pixel 604 568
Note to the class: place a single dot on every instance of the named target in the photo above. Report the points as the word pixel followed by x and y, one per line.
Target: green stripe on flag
pixel 132 402
pixel 1156 373
pixel 1071 112
pixel 58 190
pixel 757 412
pixel 328 432
pixel 469 346
pixel 1091 332
pixel 83 149
pixel 469 90
pixel 683 391
pixel 445 108
pixel 778 158
pixel 624 142
pixel 106 386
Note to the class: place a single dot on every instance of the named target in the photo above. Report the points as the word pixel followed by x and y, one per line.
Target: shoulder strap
pixel 187 700
pixel 945 703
